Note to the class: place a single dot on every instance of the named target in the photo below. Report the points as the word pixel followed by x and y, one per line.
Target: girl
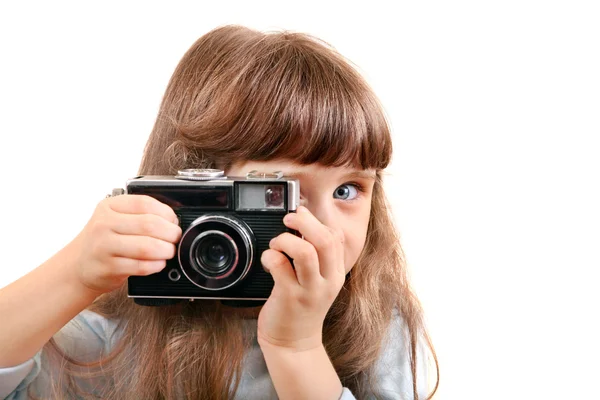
pixel 341 323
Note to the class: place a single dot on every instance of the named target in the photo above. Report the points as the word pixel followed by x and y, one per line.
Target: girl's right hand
pixel 127 235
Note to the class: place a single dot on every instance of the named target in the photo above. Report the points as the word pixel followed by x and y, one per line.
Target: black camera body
pixel 227 222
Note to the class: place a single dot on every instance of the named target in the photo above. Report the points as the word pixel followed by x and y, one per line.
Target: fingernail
pixel 288 217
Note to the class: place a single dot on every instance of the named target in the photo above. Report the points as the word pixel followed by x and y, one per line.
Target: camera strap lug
pixel 116 192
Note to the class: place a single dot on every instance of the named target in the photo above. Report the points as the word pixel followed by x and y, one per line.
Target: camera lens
pixel 216 251
pixel 214 254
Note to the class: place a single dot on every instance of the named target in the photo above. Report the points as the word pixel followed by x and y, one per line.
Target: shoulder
pixel 393 369
pixel 87 336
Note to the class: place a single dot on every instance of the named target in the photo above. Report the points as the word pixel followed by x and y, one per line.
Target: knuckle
pixel 97 226
pixel 120 266
pixel 147 268
pixel 279 261
pixel 306 252
pixel 147 224
pixel 142 203
pixel 100 249
pixel 287 236
pixel 340 237
pixel 97 248
pixel 106 202
pixel 102 205
pixel 297 296
pixel 142 268
pixel 327 241
pixel 100 223
pixel 306 301
pixel 144 251
pixel 110 203
pixel 336 236
pixel 275 242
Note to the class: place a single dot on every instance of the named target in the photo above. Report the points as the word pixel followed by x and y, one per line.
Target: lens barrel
pixel 216 251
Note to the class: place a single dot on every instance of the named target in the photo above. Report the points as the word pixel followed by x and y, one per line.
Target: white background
pixel 495 108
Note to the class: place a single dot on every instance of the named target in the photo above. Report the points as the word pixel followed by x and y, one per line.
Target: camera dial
pixel 257 175
pixel 193 174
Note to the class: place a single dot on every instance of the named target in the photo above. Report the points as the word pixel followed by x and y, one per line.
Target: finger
pixel 328 242
pixel 133 267
pixel 147 225
pixel 304 256
pixel 142 204
pixel 279 267
pixel 140 247
pixel 340 265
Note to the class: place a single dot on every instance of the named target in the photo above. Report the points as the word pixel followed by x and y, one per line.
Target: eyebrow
pixel 361 174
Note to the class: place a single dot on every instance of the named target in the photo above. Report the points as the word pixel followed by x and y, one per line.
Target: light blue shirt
pixel 89 334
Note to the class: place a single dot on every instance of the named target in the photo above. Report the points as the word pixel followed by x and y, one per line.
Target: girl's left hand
pixel 293 315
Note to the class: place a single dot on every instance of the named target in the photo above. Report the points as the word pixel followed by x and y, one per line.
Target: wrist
pixel 270 344
pixel 66 261
pixel 302 374
pixel 299 348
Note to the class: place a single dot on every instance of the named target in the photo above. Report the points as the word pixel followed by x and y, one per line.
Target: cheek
pixel 354 243
pixel 355 235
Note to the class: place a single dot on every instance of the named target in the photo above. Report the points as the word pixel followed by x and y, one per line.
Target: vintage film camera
pixel 227 222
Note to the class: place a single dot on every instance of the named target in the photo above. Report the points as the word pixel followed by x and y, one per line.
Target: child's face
pixel 340 197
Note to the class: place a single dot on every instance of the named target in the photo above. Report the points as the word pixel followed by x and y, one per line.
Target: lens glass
pixel 214 255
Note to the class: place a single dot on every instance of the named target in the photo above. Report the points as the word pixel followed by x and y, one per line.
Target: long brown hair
pixel 239 95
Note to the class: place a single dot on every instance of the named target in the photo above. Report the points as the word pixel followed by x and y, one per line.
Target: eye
pixel 347 191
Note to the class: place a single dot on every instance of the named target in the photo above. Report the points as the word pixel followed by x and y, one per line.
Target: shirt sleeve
pixel 14 380
pixel 85 338
pixel 393 372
